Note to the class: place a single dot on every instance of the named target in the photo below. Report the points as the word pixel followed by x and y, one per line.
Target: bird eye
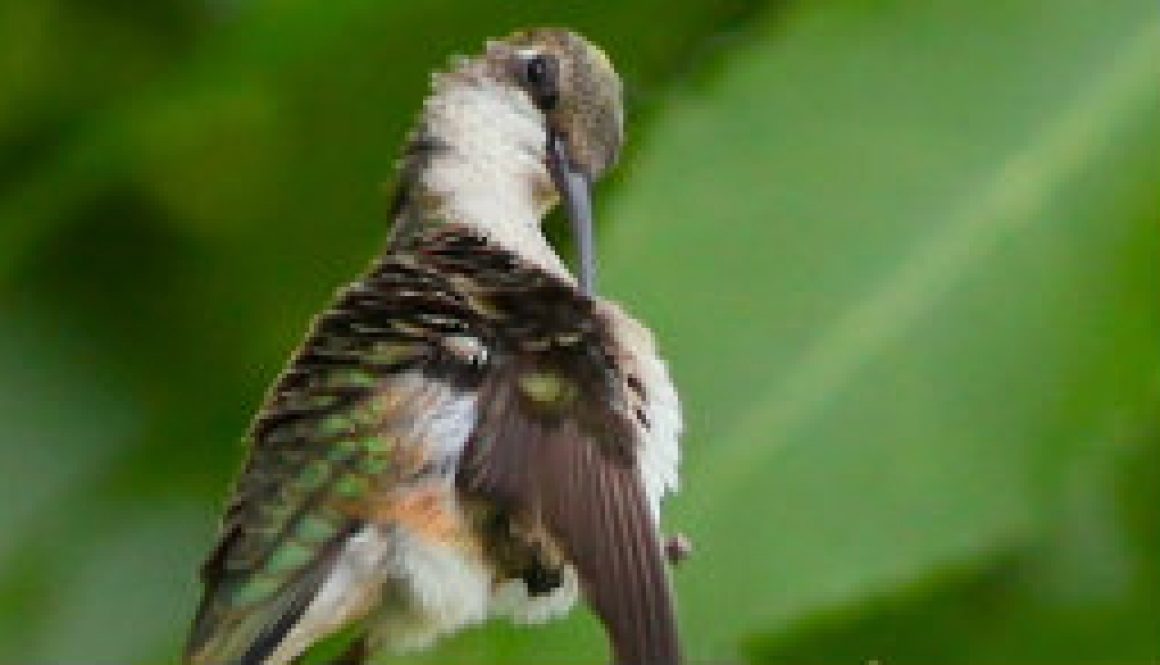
pixel 540 78
pixel 537 70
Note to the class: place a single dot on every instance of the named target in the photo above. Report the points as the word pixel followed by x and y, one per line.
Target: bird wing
pixel 366 398
pixel 555 439
pixel 553 443
pixel 448 329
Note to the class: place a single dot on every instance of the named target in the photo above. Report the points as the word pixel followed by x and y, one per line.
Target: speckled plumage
pixel 463 433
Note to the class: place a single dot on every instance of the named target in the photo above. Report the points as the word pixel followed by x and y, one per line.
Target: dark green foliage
pixel 903 257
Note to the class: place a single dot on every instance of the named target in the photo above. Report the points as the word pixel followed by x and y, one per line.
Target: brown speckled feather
pixel 347 420
pixel 555 441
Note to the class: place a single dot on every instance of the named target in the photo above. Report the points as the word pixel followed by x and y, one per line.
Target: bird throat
pixel 477 159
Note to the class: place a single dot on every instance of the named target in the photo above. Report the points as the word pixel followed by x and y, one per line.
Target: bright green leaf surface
pixel 904 263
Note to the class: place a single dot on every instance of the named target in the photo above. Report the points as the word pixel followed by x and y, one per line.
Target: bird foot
pixel 678 547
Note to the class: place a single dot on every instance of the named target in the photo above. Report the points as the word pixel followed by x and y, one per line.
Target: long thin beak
pixel 576 191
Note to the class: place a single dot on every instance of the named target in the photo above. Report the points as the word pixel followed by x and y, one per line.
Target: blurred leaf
pixel 64 64
pixel 903 261
pixel 47 439
pixel 1139 498
pixel 63 58
pixel 66 416
pixel 121 602
pixel 346 81
pixel 1081 592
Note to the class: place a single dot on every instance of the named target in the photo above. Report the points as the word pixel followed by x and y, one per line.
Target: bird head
pixel 572 83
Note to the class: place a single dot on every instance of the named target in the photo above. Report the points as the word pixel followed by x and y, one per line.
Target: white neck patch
pixel 493 165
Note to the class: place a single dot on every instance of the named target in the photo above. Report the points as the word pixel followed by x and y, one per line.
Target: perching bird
pixel 469 431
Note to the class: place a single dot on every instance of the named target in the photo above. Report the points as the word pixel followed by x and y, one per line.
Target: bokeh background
pixel 904 257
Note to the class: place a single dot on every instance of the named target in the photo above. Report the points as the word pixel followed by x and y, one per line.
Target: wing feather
pixel 573 472
pixel 241 636
pixel 364 399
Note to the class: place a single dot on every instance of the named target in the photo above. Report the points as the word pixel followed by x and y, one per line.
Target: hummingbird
pixel 469 431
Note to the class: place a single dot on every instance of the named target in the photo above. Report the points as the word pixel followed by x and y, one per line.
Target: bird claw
pixel 678 547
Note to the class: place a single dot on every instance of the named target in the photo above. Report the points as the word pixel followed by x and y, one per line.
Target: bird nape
pixel 468 431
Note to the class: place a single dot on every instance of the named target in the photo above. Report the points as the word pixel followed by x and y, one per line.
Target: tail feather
pixel 227 635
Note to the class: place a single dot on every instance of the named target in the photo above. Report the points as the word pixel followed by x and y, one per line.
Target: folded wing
pixel 550 445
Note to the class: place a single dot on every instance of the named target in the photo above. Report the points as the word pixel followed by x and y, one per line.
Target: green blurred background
pixel 903 256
